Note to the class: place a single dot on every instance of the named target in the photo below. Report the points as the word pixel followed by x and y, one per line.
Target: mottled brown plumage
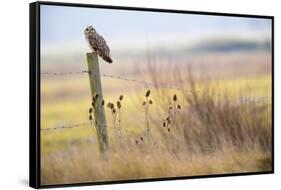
pixel 97 43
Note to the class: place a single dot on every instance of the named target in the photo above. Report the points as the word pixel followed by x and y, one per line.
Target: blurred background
pixel 225 60
pixel 130 34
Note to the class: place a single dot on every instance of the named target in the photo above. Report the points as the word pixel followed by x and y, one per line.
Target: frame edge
pixel 34 166
pixel 34 130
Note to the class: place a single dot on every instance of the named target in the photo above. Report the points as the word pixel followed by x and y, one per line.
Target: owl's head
pixel 89 30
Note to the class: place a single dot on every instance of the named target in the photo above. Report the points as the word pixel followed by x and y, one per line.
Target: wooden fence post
pixel 95 84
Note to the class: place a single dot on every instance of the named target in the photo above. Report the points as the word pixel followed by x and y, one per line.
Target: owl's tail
pixel 107 58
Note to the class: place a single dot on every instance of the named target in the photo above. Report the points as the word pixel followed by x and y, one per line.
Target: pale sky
pixel 62 27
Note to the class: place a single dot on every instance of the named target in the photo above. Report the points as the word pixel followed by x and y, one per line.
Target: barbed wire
pixel 84 124
pixel 78 125
pixel 103 75
pixel 146 83
pixel 128 79
pixel 64 73
pixel 243 99
pixel 88 124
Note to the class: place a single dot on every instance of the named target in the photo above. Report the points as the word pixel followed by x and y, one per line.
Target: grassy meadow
pixel 206 114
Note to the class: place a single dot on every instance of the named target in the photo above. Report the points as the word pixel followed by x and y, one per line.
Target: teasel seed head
pixel 147 93
pixel 113 110
pixel 109 105
pixel 96 96
pixel 143 103
pixel 164 124
pixel 169 129
pixel 102 102
pixel 137 141
pixel 121 97
pixel 179 106
pixel 175 97
pixel 150 102
pixel 141 138
pixel 168 120
pixel 118 104
pixel 90 110
pixel 90 117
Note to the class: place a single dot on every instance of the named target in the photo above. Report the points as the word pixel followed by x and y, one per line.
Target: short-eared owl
pixel 97 43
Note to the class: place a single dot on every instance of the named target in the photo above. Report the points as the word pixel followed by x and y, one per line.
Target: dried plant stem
pixel 174 115
pixel 113 119
pixel 95 119
pixel 91 122
pixel 146 116
pixel 119 120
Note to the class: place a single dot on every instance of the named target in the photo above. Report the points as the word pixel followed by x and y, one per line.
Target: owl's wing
pixel 103 49
pixel 101 44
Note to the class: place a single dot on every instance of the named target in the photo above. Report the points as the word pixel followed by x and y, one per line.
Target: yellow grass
pixel 197 147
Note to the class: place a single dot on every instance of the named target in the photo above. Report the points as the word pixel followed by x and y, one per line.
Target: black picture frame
pixel 34 91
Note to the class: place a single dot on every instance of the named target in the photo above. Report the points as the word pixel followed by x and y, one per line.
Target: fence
pixel 244 100
pixel 94 76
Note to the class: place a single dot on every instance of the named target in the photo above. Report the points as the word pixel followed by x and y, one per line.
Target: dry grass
pixel 140 161
pixel 207 133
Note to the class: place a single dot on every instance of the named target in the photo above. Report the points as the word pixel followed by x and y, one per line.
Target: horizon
pixel 127 29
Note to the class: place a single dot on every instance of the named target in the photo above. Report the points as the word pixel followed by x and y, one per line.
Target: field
pixel 206 114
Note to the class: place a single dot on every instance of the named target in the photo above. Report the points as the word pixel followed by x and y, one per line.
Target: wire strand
pixel 244 99
pixel 85 124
